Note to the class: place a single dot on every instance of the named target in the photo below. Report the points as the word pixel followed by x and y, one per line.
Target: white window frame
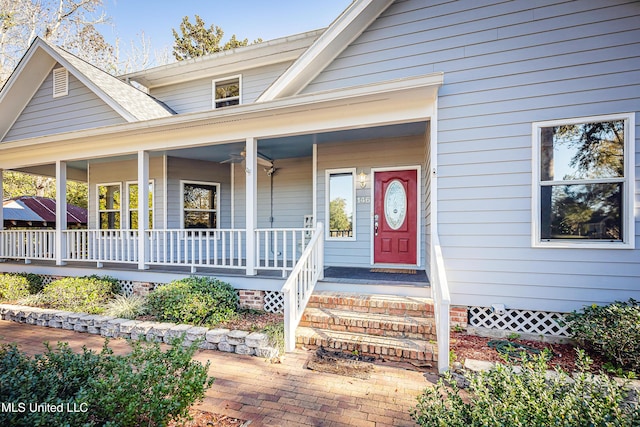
pixel 98 211
pixel 128 209
pixel 628 184
pixel 60 73
pixel 224 79
pixel 217 202
pixel 327 176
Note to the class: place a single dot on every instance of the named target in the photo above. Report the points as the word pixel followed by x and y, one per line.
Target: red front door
pixel 395 217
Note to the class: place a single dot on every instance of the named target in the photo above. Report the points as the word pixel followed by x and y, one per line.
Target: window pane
pixel 109 220
pixel 200 220
pixel 341 205
pixel 228 89
pixel 108 197
pixel 582 151
pixel 199 196
pixel 592 211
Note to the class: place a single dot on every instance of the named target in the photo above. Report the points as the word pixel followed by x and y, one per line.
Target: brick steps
pixel 364 323
pixel 388 327
pixel 386 348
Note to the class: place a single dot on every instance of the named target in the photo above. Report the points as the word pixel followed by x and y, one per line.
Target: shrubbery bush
pixel 126 307
pixel 504 396
pixel 82 294
pixel 194 300
pixel 146 387
pixel 612 330
pixel 36 282
pixel 13 287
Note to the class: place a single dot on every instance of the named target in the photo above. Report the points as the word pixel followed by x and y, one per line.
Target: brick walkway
pixel 283 394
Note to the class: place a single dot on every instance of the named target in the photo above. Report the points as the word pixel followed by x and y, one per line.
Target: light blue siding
pixel 45 115
pixel 506 65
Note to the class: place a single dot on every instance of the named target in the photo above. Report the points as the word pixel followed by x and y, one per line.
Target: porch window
pixel 132 196
pixel 109 197
pixel 341 203
pixel 200 204
pixel 584 182
pixel 226 92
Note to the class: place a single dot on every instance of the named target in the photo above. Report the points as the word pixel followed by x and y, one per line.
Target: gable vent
pixel 60 82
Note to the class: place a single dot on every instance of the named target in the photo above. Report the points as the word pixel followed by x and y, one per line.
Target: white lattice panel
pixel 126 287
pixel 526 321
pixel 46 279
pixel 273 302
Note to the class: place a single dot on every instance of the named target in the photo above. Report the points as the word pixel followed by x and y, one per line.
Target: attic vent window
pixel 60 82
pixel 226 92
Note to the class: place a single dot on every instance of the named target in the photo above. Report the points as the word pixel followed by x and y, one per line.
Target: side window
pixel 109 198
pixel 132 197
pixel 340 191
pixel 226 92
pixel 200 204
pixel 584 182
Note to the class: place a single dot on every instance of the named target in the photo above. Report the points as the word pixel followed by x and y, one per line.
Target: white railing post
pixel 289 322
pixel 442 303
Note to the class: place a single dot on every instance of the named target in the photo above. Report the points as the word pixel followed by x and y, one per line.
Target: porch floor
pixel 359 275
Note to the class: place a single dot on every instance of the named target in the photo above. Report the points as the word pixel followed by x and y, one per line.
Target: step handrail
pixel 299 286
pixel 441 302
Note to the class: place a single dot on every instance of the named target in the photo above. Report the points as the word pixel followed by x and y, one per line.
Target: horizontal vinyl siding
pixel 364 155
pixel 506 65
pixel 196 95
pixel 45 115
pixel 122 172
pixel 292 194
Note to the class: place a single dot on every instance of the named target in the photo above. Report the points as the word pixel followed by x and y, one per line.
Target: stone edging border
pixel 230 341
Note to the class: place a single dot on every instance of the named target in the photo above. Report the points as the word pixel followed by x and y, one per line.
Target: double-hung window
pixel 132 196
pixel 584 182
pixel 200 204
pixel 226 92
pixel 109 202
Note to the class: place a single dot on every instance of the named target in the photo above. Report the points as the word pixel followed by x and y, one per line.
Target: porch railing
pixel 101 246
pixel 28 244
pixel 299 286
pixel 220 248
pixel 441 302
pixel 280 248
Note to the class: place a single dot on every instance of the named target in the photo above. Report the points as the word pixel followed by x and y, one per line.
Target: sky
pixel 252 19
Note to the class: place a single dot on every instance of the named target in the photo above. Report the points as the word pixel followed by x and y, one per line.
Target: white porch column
pixel 61 211
pixel 143 208
pixel 251 204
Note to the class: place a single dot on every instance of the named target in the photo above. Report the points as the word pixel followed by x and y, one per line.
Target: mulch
pixel 466 346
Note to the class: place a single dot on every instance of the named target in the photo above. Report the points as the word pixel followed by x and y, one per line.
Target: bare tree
pixel 70 24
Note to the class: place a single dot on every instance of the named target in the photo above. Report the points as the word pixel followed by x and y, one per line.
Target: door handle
pixel 375 228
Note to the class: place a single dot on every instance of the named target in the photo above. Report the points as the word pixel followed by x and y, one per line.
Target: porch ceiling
pixel 295 146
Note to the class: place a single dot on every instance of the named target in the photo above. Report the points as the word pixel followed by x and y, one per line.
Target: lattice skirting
pixel 525 321
pixel 274 302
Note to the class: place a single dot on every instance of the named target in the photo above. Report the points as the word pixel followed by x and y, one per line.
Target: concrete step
pixel 385 348
pixel 376 304
pixel 419 328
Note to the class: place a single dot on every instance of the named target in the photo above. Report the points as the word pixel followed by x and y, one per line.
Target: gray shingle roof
pixel 133 101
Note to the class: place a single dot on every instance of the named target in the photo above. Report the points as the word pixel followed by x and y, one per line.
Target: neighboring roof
pixel 40 209
pixel 36 64
pixel 226 62
pixel 346 28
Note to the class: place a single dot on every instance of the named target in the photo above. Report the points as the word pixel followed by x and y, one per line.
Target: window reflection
pixel 109 206
pixel 133 205
pixel 341 205
pixel 200 202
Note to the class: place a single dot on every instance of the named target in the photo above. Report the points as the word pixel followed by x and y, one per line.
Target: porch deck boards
pixel 358 275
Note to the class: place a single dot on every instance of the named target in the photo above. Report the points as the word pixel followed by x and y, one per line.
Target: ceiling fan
pixel 262 160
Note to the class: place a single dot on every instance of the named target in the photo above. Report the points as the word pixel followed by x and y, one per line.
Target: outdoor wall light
pixel 363 179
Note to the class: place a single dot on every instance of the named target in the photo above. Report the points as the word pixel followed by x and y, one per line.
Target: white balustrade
pixel 102 245
pixel 27 244
pixel 280 248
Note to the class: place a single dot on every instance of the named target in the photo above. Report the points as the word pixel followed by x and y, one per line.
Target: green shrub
pixel 126 307
pixel 81 294
pixel 504 396
pixel 36 281
pixel 13 287
pixel 194 300
pixel 612 330
pixel 146 387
